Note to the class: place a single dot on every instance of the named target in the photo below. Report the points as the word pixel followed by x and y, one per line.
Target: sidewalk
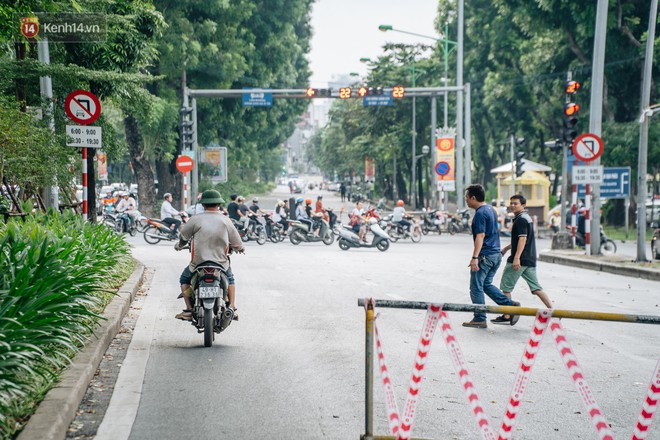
pixel 616 264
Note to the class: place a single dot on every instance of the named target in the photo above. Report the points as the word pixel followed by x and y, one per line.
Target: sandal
pixel 235 318
pixel 185 315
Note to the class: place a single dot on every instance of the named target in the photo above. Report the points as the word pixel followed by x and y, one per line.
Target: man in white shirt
pixel 168 213
pixel 128 205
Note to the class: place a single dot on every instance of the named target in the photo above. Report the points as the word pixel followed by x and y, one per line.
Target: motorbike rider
pixel 357 221
pixel 212 233
pixel 128 206
pixel 398 216
pixel 255 211
pixel 168 213
pixel 280 215
pixel 319 208
pixel 235 212
pixel 301 213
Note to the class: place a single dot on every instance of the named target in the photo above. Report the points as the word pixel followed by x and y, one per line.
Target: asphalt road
pixel 293 366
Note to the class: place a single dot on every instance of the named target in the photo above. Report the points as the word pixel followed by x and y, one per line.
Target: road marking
pixel 120 416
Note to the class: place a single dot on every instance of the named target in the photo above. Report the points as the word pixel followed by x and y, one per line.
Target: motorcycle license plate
pixel 209 292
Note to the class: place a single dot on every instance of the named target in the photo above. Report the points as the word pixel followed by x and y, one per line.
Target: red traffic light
pixel 310 93
pixel 572 87
pixel 571 109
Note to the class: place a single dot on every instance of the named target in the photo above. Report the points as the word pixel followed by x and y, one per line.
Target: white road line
pixel 120 416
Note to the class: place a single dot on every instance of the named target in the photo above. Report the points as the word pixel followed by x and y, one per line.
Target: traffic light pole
pixel 194 181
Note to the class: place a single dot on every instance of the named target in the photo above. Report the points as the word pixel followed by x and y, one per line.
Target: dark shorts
pixel 186 276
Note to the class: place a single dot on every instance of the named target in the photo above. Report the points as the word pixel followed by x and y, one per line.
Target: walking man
pixel 486 256
pixel 522 261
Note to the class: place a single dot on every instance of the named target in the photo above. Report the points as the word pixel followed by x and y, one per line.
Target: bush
pixel 54 272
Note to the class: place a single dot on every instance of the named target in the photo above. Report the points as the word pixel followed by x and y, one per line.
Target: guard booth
pixel 534 184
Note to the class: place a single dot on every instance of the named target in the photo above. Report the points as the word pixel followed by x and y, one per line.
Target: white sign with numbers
pixel 587 174
pixel 83 136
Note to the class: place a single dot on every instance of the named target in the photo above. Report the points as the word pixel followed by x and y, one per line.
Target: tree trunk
pixel 141 167
pixel 169 181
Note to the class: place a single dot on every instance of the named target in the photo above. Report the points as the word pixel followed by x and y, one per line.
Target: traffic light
pixel 369 91
pixel 187 128
pixel 519 163
pixel 571 110
pixel 318 93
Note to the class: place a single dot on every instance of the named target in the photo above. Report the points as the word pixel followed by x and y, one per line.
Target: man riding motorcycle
pixel 211 233
pixel 128 205
pixel 399 214
pixel 168 213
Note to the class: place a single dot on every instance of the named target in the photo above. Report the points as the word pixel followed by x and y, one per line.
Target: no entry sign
pixel 184 164
pixel 82 107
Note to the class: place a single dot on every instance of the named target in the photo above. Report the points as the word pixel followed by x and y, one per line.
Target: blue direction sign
pixel 257 99
pixel 377 100
pixel 616 183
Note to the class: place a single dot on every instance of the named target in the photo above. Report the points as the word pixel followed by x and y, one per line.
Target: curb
pixel 591 263
pixel 58 409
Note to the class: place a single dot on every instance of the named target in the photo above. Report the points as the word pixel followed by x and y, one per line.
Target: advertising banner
pixel 444 168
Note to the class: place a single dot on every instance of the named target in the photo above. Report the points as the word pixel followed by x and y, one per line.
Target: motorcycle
pixel 258 234
pixel 607 246
pixel 349 239
pixel 459 222
pixel 300 231
pixel 432 221
pixel 120 222
pixel 211 313
pixel 397 232
pixel 276 230
pixel 156 230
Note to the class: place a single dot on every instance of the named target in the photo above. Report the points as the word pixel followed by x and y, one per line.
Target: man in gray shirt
pixel 211 233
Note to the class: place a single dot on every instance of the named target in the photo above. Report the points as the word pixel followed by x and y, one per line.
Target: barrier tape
pixel 423 348
pixel 524 372
pixel 390 398
pixel 460 366
pixel 575 371
pixel 648 407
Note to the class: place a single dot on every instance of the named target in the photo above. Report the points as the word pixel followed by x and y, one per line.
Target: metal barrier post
pixel 369 371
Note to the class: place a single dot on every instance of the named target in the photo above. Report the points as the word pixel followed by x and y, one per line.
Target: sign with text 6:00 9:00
pixel 83 136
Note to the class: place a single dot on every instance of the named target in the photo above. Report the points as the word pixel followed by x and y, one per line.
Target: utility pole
pixel 644 136
pixel 46 87
pixel 460 188
pixel 596 111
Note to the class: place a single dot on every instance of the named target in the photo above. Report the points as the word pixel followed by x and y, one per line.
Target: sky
pixel 346 30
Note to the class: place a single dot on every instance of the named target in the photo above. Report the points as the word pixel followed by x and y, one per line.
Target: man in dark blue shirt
pixel 486 256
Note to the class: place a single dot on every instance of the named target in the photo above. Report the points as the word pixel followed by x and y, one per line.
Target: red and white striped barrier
pixel 575 372
pixel 460 366
pixel 648 407
pixel 423 348
pixel 390 398
pixel 524 372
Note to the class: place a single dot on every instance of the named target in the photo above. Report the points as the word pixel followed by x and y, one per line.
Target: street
pixel 293 366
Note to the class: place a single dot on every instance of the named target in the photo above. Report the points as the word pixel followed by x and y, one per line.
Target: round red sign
pixel 588 147
pixel 184 164
pixel 30 27
pixel 82 107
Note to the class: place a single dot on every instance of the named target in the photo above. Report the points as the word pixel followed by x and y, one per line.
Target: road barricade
pixel 401 424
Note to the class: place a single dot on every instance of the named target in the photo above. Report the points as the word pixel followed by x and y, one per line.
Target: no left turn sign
pixel 82 107
pixel 588 147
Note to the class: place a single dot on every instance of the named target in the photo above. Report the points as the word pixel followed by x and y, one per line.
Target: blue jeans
pixel 481 282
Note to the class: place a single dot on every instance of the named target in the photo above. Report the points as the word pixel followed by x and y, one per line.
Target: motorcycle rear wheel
pixel 151 230
pixel 208 328
pixel 425 229
pixel 451 228
pixel 328 239
pixel 275 236
pixel 415 236
pixel 343 245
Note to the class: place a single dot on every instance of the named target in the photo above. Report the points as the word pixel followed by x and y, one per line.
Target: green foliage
pixel 53 270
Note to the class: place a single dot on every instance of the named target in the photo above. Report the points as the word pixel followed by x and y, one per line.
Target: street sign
pixel 442 168
pixel 257 99
pixel 616 183
pixel 83 136
pixel 216 158
pixel 588 147
pixel 184 164
pixel 446 185
pixel 587 175
pixel 82 107
pixel 377 101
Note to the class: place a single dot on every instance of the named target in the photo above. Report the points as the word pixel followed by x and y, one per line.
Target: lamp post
pixel 459 119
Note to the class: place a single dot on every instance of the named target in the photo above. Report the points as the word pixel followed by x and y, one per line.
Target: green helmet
pixel 211 197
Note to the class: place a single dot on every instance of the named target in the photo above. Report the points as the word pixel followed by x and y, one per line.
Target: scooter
pixel 432 221
pixel 349 239
pixel 211 313
pixel 156 230
pixel 300 231
pixel 396 231
pixel 258 235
